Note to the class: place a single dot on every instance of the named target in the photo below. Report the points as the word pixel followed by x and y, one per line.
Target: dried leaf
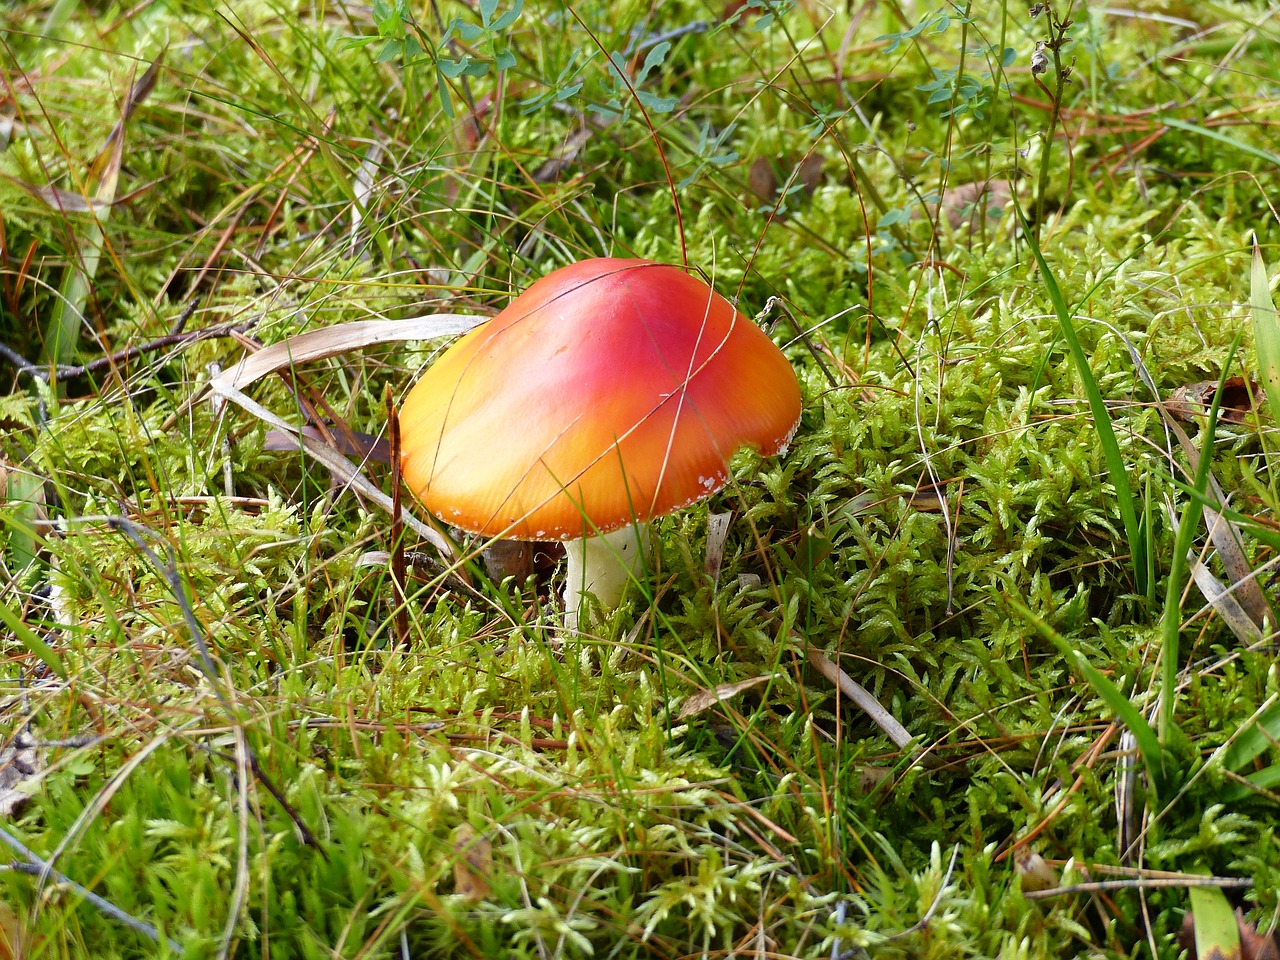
pixel 1215 928
pixel 11 946
pixel 473 863
pixel 141 89
pixel 342 338
pixel 1254 944
pixel 350 443
pixel 1192 401
pixel 813 546
pixel 717 533
pixel 338 465
pixel 869 778
pixel 704 700
pixel 809 173
pixel 508 558
pixel 328 342
pixel 315 345
pixel 1224 534
pixel 927 499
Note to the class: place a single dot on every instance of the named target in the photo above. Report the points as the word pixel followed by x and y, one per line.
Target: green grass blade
pixel 1101 416
pixel 1221 138
pixel 22 498
pixel 1217 933
pixel 1188 524
pixel 1263 731
pixel 1268 778
pixel 1125 711
pixel 1266 330
pixel 63 331
pixel 32 641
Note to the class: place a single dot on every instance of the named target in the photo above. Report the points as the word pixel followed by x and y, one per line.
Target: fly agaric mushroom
pixel 607 394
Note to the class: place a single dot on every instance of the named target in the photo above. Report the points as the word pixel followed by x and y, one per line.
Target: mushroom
pixel 609 393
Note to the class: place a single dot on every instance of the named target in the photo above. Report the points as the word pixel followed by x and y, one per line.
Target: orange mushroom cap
pixel 610 391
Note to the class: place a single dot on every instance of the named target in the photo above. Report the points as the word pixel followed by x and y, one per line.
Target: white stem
pixel 601 566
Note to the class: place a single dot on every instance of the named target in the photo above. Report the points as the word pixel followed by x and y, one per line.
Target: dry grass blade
pixel 1142 883
pixel 338 465
pixel 64 201
pixel 362 191
pixel 401 615
pixel 717 534
pixel 316 345
pixel 99 193
pixel 1224 602
pixel 704 700
pixel 474 863
pixel 1219 596
pixel 342 338
pixel 1226 539
pixel 860 696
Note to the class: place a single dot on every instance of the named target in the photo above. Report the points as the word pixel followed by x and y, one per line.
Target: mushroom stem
pixel 601 566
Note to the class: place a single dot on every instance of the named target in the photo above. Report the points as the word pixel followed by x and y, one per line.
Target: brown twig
pixel 304 833
pixel 179 337
pixel 1141 883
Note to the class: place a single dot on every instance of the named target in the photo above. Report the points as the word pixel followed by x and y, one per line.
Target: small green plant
pixel 401 37
pixel 1047 59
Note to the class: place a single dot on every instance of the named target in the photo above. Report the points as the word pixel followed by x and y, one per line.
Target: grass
pixel 317 788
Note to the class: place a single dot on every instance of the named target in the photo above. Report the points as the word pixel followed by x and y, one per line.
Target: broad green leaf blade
pixel 1263 731
pixel 1268 779
pixel 22 496
pixel 1266 330
pixel 1217 933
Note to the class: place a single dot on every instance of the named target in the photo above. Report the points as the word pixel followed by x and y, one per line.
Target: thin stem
pixel 1057 39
